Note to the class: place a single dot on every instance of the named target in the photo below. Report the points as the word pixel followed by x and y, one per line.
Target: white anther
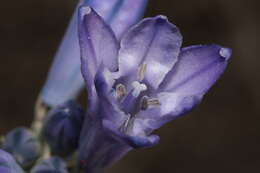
pixel 138 88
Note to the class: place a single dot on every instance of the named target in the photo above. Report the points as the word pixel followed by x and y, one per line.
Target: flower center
pixel 129 102
pixel 133 101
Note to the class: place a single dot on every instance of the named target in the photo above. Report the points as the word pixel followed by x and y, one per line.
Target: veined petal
pixel 197 70
pixel 97 45
pixel 154 43
pixel 185 85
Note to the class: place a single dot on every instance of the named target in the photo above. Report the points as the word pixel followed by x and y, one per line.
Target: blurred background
pixel 221 135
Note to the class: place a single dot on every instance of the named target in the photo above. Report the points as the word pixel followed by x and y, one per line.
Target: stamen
pixel 124 126
pixel 138 88
pixel 141 72
pixel 120 91
pixel 146 102
pixel 127 120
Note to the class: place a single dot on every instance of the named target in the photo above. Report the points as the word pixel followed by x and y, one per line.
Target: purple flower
pixel 8 164
pixel 137 86
pixel 64 80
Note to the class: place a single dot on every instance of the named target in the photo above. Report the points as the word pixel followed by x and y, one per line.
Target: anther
pixel 141 72
pixel 146 102
pixel 120 91
pixel 124 126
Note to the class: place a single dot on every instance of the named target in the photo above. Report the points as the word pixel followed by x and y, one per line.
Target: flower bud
pixel 24 147
pixel 62 128
pixel 8 164
pixel 52 165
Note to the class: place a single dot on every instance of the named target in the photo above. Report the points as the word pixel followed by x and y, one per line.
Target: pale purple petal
pixel 98 45
pixel 183 88
pixel 63 85
pixel 155 43
pixel 130 11
pixel 197 69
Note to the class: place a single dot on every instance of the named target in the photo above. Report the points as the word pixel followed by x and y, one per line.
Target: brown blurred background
pixel 221 135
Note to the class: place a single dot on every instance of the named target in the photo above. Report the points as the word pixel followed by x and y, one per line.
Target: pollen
pixel 146 102
pixel 120 91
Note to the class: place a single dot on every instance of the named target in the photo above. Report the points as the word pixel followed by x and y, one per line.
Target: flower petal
pixel 63 85
pixel 97 45
pixel 130 11
pixel 155 43
pixel 106 9
pixel 197 70
pixel 184 86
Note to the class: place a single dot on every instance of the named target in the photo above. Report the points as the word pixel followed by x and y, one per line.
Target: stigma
pixel 138 88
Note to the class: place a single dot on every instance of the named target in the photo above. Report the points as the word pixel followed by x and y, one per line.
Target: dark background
pixel 221 135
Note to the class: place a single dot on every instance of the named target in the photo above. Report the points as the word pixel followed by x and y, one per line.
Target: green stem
pixel 41 111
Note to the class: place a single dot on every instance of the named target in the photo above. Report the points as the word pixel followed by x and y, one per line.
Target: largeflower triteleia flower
pixel 64 79
pixel 138 85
